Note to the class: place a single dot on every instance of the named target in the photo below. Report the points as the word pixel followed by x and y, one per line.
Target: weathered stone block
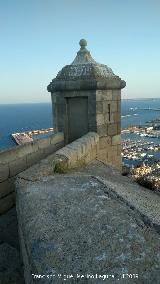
pixel 104 142
pixel 43 143
pixel 102 155
pixel 110 154
pixel 7 202
pixel 117 161
pixel 109 118
pixel 34 145
pixel 17 166
pixel 106 118
pixel 116 95
pixel 94 153
pixel 53 148
pixel 105 106
pixel 73 156
pixel 66 151
pixel 99 107
pixel 33 158
pixel 116 139
pixel 27 149
pixel 6 187
pixel 100 119
pixel 4 172
pixel 119 107
pixel 114 150
pixel 118 128
pixel 119 150
pixel 112 129
pixel 49 150
pixel 79 152
pixel 99 95
pixel 102 130
pixel 112 117
pixel 88 158
pixel 108 95
pixel 114 107
pixel 9 155
pixel 109 160
pixel 83 149
pixel 117 117
pixel 103 95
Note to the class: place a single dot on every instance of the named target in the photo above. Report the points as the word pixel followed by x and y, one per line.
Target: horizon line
pixel 125 99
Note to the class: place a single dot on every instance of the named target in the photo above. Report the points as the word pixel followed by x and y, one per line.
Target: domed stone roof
pixel 84 73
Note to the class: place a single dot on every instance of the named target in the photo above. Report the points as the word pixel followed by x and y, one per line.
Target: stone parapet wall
pixel 16 160
pixel 78 153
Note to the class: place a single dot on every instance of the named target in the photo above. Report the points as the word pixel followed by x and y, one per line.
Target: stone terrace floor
pixel 91 221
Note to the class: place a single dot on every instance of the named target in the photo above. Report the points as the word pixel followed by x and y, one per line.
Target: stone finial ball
pixel 83 43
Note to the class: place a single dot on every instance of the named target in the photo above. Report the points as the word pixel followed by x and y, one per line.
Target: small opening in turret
pixel 109 112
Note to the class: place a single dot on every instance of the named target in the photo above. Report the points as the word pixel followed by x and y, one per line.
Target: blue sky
pixel 39 37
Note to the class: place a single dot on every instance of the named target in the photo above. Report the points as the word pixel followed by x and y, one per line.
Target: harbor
pixel 143 131
pixel 142 159
pixel 142 156
pixel 139 151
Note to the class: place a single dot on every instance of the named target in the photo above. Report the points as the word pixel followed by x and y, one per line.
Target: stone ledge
pixel 80 152
pixel 21 151
pixel 86 84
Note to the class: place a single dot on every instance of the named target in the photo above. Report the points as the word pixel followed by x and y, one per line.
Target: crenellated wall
pixel 18 159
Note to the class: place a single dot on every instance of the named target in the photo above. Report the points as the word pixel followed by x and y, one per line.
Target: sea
pixel 24 117
pixel 16 118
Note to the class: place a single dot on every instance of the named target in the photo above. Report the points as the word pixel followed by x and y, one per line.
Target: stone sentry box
pixel 86 96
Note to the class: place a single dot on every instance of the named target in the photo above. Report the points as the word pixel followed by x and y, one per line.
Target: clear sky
pixel 39 37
